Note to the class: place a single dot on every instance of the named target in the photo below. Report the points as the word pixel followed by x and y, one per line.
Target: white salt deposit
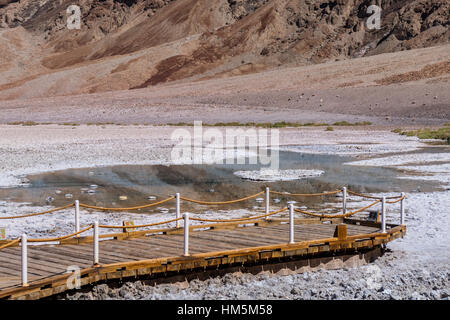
pixel 278 175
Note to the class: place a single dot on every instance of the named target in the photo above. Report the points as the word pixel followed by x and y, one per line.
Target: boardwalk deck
pixel 143 253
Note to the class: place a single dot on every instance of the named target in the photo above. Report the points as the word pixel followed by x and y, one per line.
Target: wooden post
pixel 291 224
pixel 383 215
pixel 96 247
pixel 177 196
pixel 402 209
pixel 128 226
pixel 267 202
pixel 341 232
pixel 186 234
pixel 24 244
pixel 344 200
pixel 77 217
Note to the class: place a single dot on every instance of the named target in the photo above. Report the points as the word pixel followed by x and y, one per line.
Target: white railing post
pixel 267 202
pixel 77 217
pixel 96 247
pixel 177 197
pixel 383 215
pixel 344 200
pixel 402 209
pixel 24 245
pixel 186 234
pixel 291 223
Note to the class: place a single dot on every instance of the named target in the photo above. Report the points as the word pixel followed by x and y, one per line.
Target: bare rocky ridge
pixel 139 43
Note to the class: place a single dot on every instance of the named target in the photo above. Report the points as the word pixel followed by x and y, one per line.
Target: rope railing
pixel 186 217
pixel 307 194
pixel 39 213
pixel 371 197
pixel 398 200
pixel 127 209
pixel 320 215
pixel 201 202
pixel 140 226
pixel 221 202
pixel 240 219
pixel 345 215
pixel 62 237
pixel 9 244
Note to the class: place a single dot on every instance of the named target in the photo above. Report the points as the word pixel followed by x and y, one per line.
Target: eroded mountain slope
pixel 125 44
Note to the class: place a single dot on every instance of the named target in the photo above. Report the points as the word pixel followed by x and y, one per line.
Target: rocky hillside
pixel 124 44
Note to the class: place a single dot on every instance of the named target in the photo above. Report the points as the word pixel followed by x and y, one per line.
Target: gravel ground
pixel 327 284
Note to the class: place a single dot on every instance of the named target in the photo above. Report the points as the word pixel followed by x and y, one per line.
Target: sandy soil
pixel 350 90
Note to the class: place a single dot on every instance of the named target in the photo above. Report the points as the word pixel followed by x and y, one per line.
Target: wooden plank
pixel 57 256
pixel 167 246
pixel 67 252
pixel 299 234
pixel 34 263
pixel 4 270
pixel 308 233
pixel 341 231
pixel 248 236
pixel 315 230
pixel 255 234
pixel 18 267
pixel 231 240
pixel 239 244
pixel 126 247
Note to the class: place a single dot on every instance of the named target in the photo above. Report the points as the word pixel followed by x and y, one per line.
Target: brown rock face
pixel 125 44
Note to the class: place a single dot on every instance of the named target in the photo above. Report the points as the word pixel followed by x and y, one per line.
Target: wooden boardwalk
pixel 155 253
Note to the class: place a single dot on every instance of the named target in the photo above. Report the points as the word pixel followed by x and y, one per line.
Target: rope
pixel 307 194
pixel 221 202
pixel 370 197
pixel 126 209
pixel 398 200
pixel 139 226
pixel 241 219
pixel 9 244
pixel 39 213
pixel 60 238
pixel 348 214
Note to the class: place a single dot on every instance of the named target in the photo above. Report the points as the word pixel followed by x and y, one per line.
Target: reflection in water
pixel 122 186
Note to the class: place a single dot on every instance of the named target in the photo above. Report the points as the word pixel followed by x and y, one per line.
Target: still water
pixel 131 185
